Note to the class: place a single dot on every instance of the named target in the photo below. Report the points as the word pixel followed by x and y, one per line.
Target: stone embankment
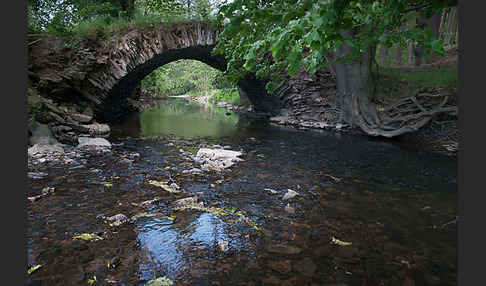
pixel 309 102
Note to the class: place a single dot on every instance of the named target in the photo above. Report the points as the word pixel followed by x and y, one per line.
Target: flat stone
pixel 44 149
pixel 83 118
pixel 36 175
pixel 88 141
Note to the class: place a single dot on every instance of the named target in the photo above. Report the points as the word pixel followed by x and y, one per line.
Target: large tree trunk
pixel 418 50
pixel 354 88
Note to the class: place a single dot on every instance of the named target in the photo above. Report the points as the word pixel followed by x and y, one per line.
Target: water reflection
pixel 182 118
pixel 169 247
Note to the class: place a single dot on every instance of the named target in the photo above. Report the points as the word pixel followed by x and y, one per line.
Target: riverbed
pixel 367 211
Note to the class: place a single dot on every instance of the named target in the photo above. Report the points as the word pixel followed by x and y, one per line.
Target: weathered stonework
pixel 104 74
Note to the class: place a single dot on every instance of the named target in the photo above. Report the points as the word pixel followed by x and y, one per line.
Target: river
pixel 368 211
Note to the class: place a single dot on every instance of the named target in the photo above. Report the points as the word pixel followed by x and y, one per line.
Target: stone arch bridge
pixel 103 73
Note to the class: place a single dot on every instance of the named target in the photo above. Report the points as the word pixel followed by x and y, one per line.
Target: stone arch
pixel 138 53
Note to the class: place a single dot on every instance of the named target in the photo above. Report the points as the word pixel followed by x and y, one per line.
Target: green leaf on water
pixel 261 156
pixel 33 268
pixel 108 185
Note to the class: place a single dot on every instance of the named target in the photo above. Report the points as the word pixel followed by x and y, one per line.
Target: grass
pixel 396 82
pixel 445 77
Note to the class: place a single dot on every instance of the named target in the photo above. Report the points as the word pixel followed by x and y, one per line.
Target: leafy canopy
pixel 276 37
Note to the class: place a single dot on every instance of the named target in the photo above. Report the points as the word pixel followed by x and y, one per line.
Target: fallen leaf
pixel 33 268
pixel 334 178
pixel 339 242
pixel 163 186
pixel 92 281
pixel 88 237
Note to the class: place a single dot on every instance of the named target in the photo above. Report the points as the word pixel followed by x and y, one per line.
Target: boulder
pixel 97 142
pixel 43 149
pixel 289 194
pixel 83 118
pixel 217 158
pixel 41 134
pixel 93 129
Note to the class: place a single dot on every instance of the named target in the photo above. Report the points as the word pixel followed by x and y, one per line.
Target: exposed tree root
pixel 406 115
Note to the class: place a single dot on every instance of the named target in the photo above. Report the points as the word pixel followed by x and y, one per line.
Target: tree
pixel 275 38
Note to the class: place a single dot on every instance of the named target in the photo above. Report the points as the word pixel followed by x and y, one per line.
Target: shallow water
pixel 392 204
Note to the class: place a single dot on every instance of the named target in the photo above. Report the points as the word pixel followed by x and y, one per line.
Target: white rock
pixel 88 141
pixel 289 194
pixel 217 158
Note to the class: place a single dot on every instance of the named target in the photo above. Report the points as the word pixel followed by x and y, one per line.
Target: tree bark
pixel 418 50
pixel 354 90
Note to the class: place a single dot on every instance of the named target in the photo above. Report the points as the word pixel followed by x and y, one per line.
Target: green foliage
pixel 182 77
pixel 275 38
pixel 229 95
pixel 83 17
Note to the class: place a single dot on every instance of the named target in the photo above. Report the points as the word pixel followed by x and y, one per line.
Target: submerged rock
pixel 284 249
pixel 117 220
pixel 306 266
pixel 283 266
pixel 185 201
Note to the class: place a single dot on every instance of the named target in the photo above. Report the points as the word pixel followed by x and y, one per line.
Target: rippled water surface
pixel 393 208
